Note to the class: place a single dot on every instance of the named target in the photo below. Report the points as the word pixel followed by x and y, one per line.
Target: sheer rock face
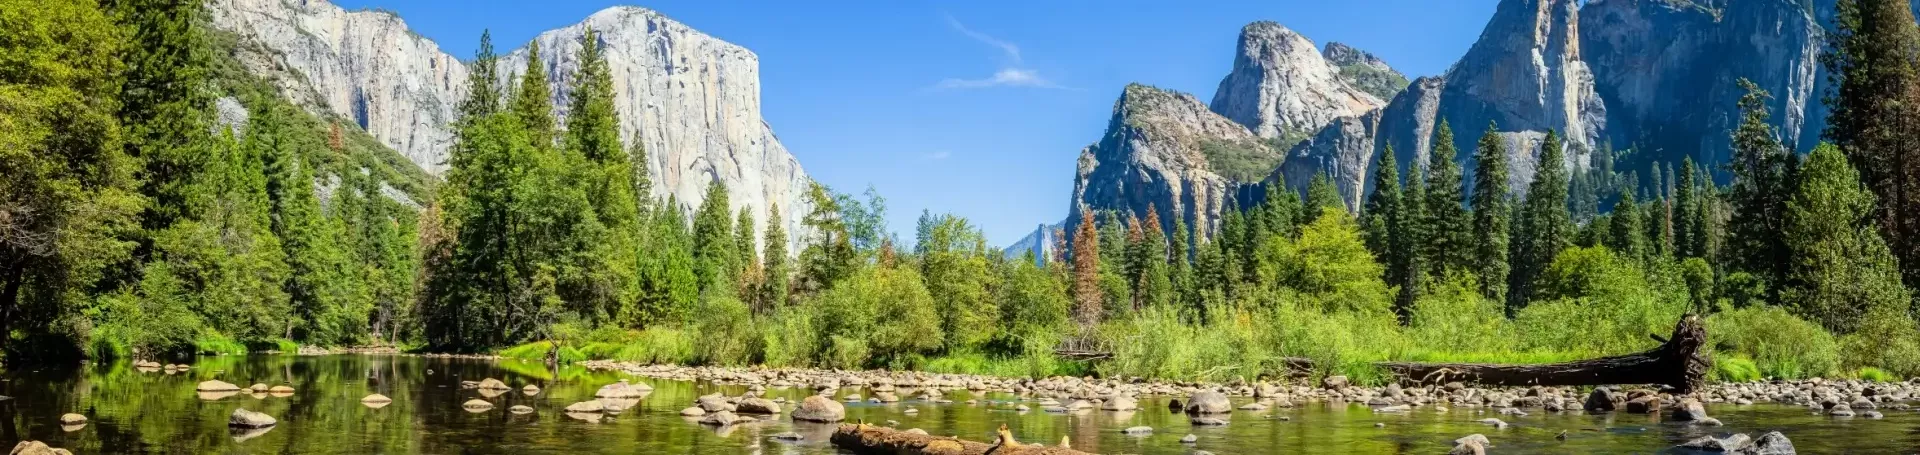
pixel 1280 83
pixel 365 66
pixel 1526 74
pixel 1344 151
pixel 1362 70
pixel 1152 154
pixel 692 100
pixel 1667 70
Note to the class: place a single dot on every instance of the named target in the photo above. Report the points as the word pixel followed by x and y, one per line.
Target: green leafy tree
pixel 1492 215
pixel 69 197
pixel 829 254
pixel 1842 271
pixel 881 316
pixel 960 279
pixel 1328 265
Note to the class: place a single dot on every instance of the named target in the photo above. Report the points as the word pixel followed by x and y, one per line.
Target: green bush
pixel 1780 344
pixel 788 338
pixel 1734 368
pixel 1454 317
pixel 1875 375
pixel 217 344
pixel 879 316
pixel 1597 304
pixel 1886 340
pixel 726 330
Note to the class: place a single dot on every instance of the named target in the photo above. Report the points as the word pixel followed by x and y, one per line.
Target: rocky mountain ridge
pixel 693 101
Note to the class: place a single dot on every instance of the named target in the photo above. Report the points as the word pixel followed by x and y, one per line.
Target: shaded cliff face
pixel 1668 69
pixel 1526 73
pixel 1364 71
pixel 1344 151
pixel 692 100
pixel 364 65
pixel 1281 85
pixel 1158 150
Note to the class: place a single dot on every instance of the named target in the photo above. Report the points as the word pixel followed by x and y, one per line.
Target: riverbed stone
pixel 216 386
pixel 1137 431
pixel 1645 404
pixel 1189 439
pixel 721 418
pixel 1120 403
pixel 72 419
pixel 587 406
pixel 1773 443
pixel 1209 403
pixel 1735 443
pixel 1840 410
pixel 820 409
pixel 530 390
pixel 1496 423
pixel 1335 382
pixel 280 390
pixel 248 419
pixel 758 406
pixel 1208 421
pixel 36 448
pixel 376 398
pixel 520 409
pixel 693 411
pixel 476 405
pixel 623 389
pixel 1601 400
pixel 492 384
pixel 1689 410
pixel 258 387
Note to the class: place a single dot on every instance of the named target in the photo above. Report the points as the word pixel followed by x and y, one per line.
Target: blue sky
pixel 976 108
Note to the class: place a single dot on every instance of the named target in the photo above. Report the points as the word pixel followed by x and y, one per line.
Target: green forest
pixel 135 223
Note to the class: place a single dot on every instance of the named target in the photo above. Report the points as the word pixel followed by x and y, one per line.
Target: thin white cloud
pixel 1011 74
pixel 937 156
pixel 1012 51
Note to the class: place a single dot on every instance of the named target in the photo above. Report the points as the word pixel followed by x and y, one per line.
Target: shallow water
pixel 135 412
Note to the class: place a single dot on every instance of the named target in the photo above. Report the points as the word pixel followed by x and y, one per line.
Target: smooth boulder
pixel 758 406
pixel 587 406
pixel 36 448
pixel 72 419
pixel 820 409
pixel 623 389
pixel 248 419
pixel 492 384
pixel 477 405
pixel 1209 403
pixel 216 386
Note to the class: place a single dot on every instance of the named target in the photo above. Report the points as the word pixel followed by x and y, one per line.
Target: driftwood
pixel 871 440
pixel 1678 362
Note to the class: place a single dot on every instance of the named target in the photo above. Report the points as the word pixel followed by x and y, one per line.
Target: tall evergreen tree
pixel 1449 242
pixel 1628 234
pixel 1871 60
pixel 713 247
pixel 1156 284
pixel 1492 215
pixel 1379 217
pixel 775 286
pixel 1545 226
pixel 1180 273
pixel 532 102
pixel 1413 234
pixel 607 286
pixel 165 106
pixel 829 255
pixel 1321 195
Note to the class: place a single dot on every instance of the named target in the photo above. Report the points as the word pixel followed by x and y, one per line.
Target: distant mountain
pixel 692 101
pixel 1039 243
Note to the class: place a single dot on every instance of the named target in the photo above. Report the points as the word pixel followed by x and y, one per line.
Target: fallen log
pixel 1678 362
pixel 866 439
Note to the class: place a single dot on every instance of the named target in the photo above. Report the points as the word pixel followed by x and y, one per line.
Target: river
pixel 131 411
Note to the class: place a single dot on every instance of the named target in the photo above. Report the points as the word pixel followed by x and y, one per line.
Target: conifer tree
pixel 164 104
pixel 1686 205
pixel 1545 227
pixel 1492 215
pixel 1628 233
pixel 1180 275
pixel 1449 243
pixel 1321 195
pixel 1378 218
pixel 829 255
pixel 1087 306
pixel 609 263
pixel 1842 271
pixel 713 247
pixel 1413 236
pixel 778 273
pixel 1871 60
pixel 1156 284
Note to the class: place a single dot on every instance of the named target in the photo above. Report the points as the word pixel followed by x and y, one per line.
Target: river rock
pixel 820 409
pixel 693 411
pixel 1689 410
pixel 258 387
pixel 36 448
pixel 1334 382
pixel 787 436
pixel 1208 421
pixel 72 419
pixel 1645 404
pixel 280 389
pixel 758 406
pixel 1497 423
pixel 492 384
pixel 1840 410
pixel 248 419
pixel 216 386
pixel 714 403
pixel 530 390
pixel 1394 408
pixel 587 406
pixel 520 409
pixel 1735 443
pixel 477 405
pixel 1189 439
pixel 1138 431
pixel 1601 400
pixel 1773 443
pixel 1209 403
pixel 1120 403
pixel 376 398
pixel 721 418
pixel 623 389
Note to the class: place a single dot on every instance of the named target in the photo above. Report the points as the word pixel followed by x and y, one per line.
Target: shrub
pixel 726 331
pixel 788 338
pixel 878 316
pixel 1596 304
pixel 1886 340
pixel 1454 317
pixel 1875 375
pixel 1734 368
pixel 1780 344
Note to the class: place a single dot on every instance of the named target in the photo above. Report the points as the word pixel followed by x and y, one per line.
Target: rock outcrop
pixel 1364 71
pixel 1040 243
pixel 1667 70
pixel 1166 150
pixel 692 101
pixel 1343 151
pixel 1281 85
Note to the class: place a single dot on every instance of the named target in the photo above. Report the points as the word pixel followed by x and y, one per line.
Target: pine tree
pixel 1871 62
pixel 609 263
pixel 775 287
pixel 1087 306
pixel 713 247
pixel 306 235
pixel 1379 217
pixel 743 241
pixel 1413 234
pixel 1842 271
pixel 1181 275
pixel 1628 234
pixel 1321 195
pixel 1156 284
pixel 1449 244
pixel 1492 215
pixel 1545 226
pixel 829 255
pixel 1686 205
pixel 164 105
pixel 532 102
